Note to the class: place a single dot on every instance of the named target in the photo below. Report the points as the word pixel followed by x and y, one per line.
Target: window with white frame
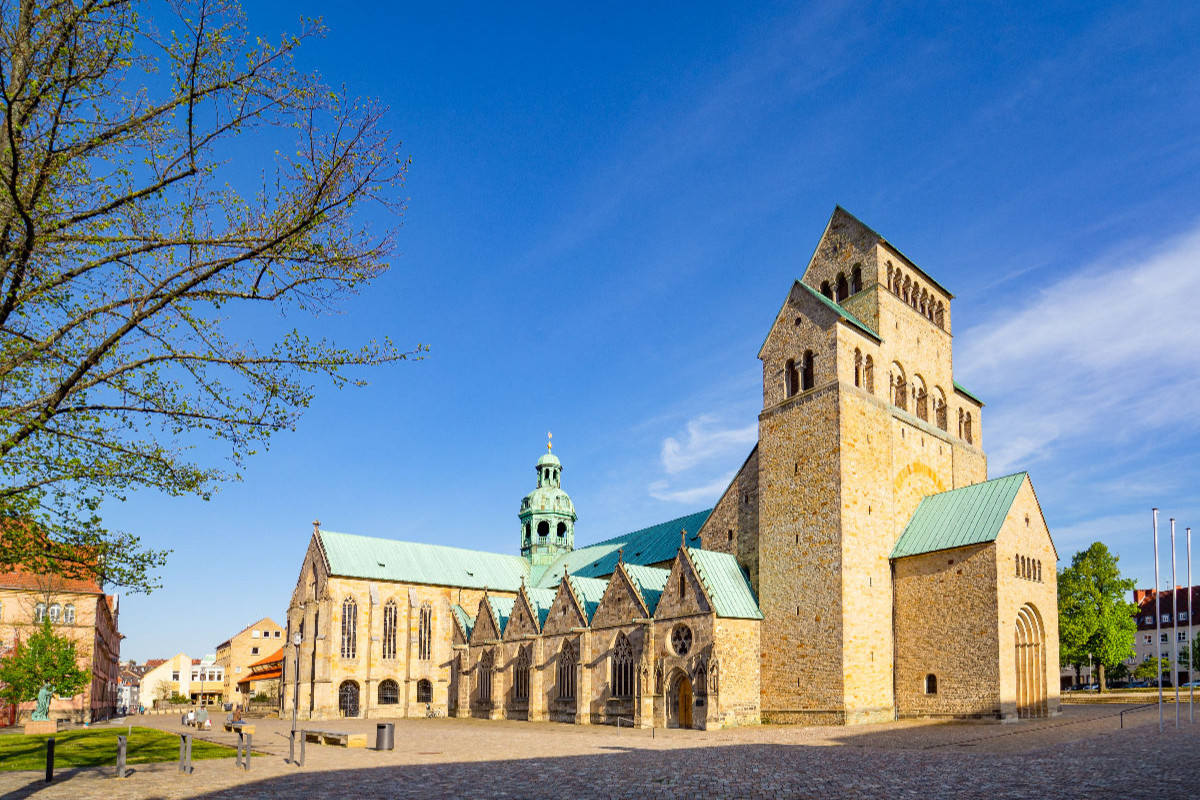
pixel 253 634
pixel 1148 638
pixel 69 614
pixel 1162 638
pixel 1181 636
pixel 1166 617
pixel 1183 616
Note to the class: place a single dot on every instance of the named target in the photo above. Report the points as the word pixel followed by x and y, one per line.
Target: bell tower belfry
pixel 547 514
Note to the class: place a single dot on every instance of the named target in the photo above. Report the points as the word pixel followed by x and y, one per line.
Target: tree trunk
pixel 1100 683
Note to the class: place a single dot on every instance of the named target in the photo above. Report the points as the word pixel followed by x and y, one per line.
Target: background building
pixel 262 678
pixel 1164 627
pixel 235 655
pixel 79 610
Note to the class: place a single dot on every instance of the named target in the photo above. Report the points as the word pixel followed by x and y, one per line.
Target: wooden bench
pixel 234 727
pixel 339 738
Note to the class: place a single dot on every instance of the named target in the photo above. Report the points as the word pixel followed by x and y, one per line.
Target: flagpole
pixel 1191 644
pixel 1174 625
pixel 1158 623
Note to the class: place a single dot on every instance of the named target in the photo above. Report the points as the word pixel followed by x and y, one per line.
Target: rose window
pixel 681 640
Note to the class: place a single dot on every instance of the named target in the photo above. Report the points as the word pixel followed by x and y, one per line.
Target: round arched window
pixel 681 639
pixel 543 528
pixel 562 529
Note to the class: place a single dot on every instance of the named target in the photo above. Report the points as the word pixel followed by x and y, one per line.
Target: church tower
pixel 547 515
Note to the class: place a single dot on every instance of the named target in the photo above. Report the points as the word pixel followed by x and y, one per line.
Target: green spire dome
pixel 547 515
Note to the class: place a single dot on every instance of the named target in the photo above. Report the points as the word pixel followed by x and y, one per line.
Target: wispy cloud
pixel 1102 357
pixel 698 463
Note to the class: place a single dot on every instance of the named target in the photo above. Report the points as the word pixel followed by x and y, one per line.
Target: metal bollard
pixel 242 759
pixel 303 739
pixel 185 753
pixel 122 748
pixel 50 759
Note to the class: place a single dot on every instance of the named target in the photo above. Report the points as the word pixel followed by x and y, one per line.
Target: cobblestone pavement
pixel 1081 754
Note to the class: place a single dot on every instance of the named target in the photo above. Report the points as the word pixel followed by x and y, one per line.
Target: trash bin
pixel 385 736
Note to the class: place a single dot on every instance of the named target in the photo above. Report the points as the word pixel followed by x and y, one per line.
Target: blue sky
pixel 608 203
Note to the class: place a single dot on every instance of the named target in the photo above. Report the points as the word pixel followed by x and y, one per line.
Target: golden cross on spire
pixel 549 441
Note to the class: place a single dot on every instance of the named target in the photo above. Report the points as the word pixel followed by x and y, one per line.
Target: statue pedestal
pixel 36 727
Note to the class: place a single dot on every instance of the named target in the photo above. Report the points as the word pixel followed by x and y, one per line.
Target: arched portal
pixel 679 701
pixel 1031 664
pixel 348 699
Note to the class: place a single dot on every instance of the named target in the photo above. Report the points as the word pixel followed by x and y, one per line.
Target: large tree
pixel 172 189
pixel 1096 622
pixel 45 657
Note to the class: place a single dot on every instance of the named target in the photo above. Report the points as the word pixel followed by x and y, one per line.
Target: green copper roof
pixel 841 312
pixel 959 517
pixel 464 619
pixel 959 387
pixel 650 581
pixel 589 591
pixel 652 545
pixel 501 609
pixel 726 584
pixel 540 601
pixel 412 562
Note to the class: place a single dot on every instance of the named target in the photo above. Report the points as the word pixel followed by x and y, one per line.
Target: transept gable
pixel 565 612
pixel 1025 518
pixel 684 594
pixel 464 624
pixel 622 602
pixel 486 629
pixel 521 623
pixel 313 575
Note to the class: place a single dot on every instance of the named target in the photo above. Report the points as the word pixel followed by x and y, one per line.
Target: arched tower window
pixel 899 387
pixel 791 377
pixel 858 364
pixel 390 617
pixel 543 529
pixel 521 675
pixel 968 434
pixel 425 633
pixel 939 409
pixel 562 530
pixel 826 290
pixel 567 661
pixel 622 667
pixel 807 372
pixel 843 287
pixel 920 398
pixel 856 279
pixel 350 630
pixel 869 374
pixel 939 315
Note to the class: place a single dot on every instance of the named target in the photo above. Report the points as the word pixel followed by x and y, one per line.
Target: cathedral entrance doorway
pixel 1031 664
pixel 679 701
pixel 348 699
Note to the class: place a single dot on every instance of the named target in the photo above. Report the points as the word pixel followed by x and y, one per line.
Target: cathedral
pixel 861 566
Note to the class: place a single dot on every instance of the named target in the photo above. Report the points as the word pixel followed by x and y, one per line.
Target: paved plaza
pixel 1084 753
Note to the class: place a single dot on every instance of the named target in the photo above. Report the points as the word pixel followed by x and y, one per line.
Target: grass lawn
pixel 98 748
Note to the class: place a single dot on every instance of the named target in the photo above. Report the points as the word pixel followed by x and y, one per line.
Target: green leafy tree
pixel 1149 669
pixel 45 657
pixel 1189 654
pixel 1095 621
pixel 167 186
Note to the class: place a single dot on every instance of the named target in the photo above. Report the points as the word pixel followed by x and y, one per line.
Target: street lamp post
pixel 295 698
